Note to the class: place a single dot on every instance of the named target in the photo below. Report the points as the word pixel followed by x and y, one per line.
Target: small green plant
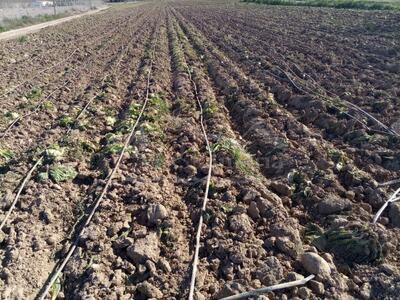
pixel 6 154
pixel 11 115
pixel 210 109
pixel 66 121
pixel 110 121
pixel 48 105
pixel 88 146
pixel 60 173
pixel 159 104
pixel 301 184
pixel 35 93
pixel 113 148
pixel 55 153
pixel 159 160
pixel 243 161
pixel 353 244
pixel 43 176
pixel 56 288
pixel 22 39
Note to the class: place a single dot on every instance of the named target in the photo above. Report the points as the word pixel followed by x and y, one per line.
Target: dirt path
pixel 114 203
pixel 13 34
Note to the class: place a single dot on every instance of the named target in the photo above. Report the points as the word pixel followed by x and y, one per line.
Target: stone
pixel 164 265
pixel 281 188
pixel 333 205
pixel 394 214
pixel 286 245
pixel 230 289
pixel 253 211
pixel 6 200
pixel 249 195
pixel 199 296
pixel 151 267
pixel 149 290
pixel 144 249
pixel 315 264
pixel 270 272
pixel 317 287
pixel 304 292
pixel 190 171
pixel 293 276
pixel 156 213
pixel 240 223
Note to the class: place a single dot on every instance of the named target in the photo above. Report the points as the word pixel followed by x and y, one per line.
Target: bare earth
pixel 301 106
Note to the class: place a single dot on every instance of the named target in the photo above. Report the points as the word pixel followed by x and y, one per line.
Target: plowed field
pixel 277 129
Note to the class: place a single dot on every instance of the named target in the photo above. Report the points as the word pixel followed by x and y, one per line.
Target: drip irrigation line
pixel 207 188
pixel 44 291
pixel 39 73
pixel 258 292
pixel 391 182
pixel 395 197
pixel 34 167
pixel 21 188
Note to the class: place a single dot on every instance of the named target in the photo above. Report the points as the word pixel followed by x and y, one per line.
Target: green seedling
pixel 159 160
pixel 210 109
pixel 11 115
pixel 66 121
pixel 43 176
pixel 22 39
pixel 88 146
pixel 48 105
pixel 56 288
pixel 60 173
pixel 353 244
pixel 243 161
pixel 55 153
pixel 6 154
pixel 300 183
pixel 110 121
pixel 35 93
pixel 113 148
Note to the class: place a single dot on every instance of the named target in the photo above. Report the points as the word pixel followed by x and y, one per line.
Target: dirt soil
pixel 301 106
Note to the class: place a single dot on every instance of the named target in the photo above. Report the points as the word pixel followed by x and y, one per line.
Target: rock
pixel 333 205
pixel 286 245
pixel 240 223
pixel 293 276
pixel 270 272
pixel 199 296
pixel 151 267
pixel 281 188
pixel 264 207
pixel 304 292
pixel 394 214
pixel 164 265
pixel 249 195
pixel 388 269
pixel 365 291
pixel 149 290
pixel 230 289
pixel 156 213
pixel 253 211
pixel 144 249
pixel 190 171
pixel 315 264
pixel 6 200
pixel 317 287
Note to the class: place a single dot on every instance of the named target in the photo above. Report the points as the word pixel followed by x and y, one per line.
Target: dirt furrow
pixel 60 203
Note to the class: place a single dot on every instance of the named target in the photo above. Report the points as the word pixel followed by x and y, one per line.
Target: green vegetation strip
pixel 350 4
pixel 10 24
